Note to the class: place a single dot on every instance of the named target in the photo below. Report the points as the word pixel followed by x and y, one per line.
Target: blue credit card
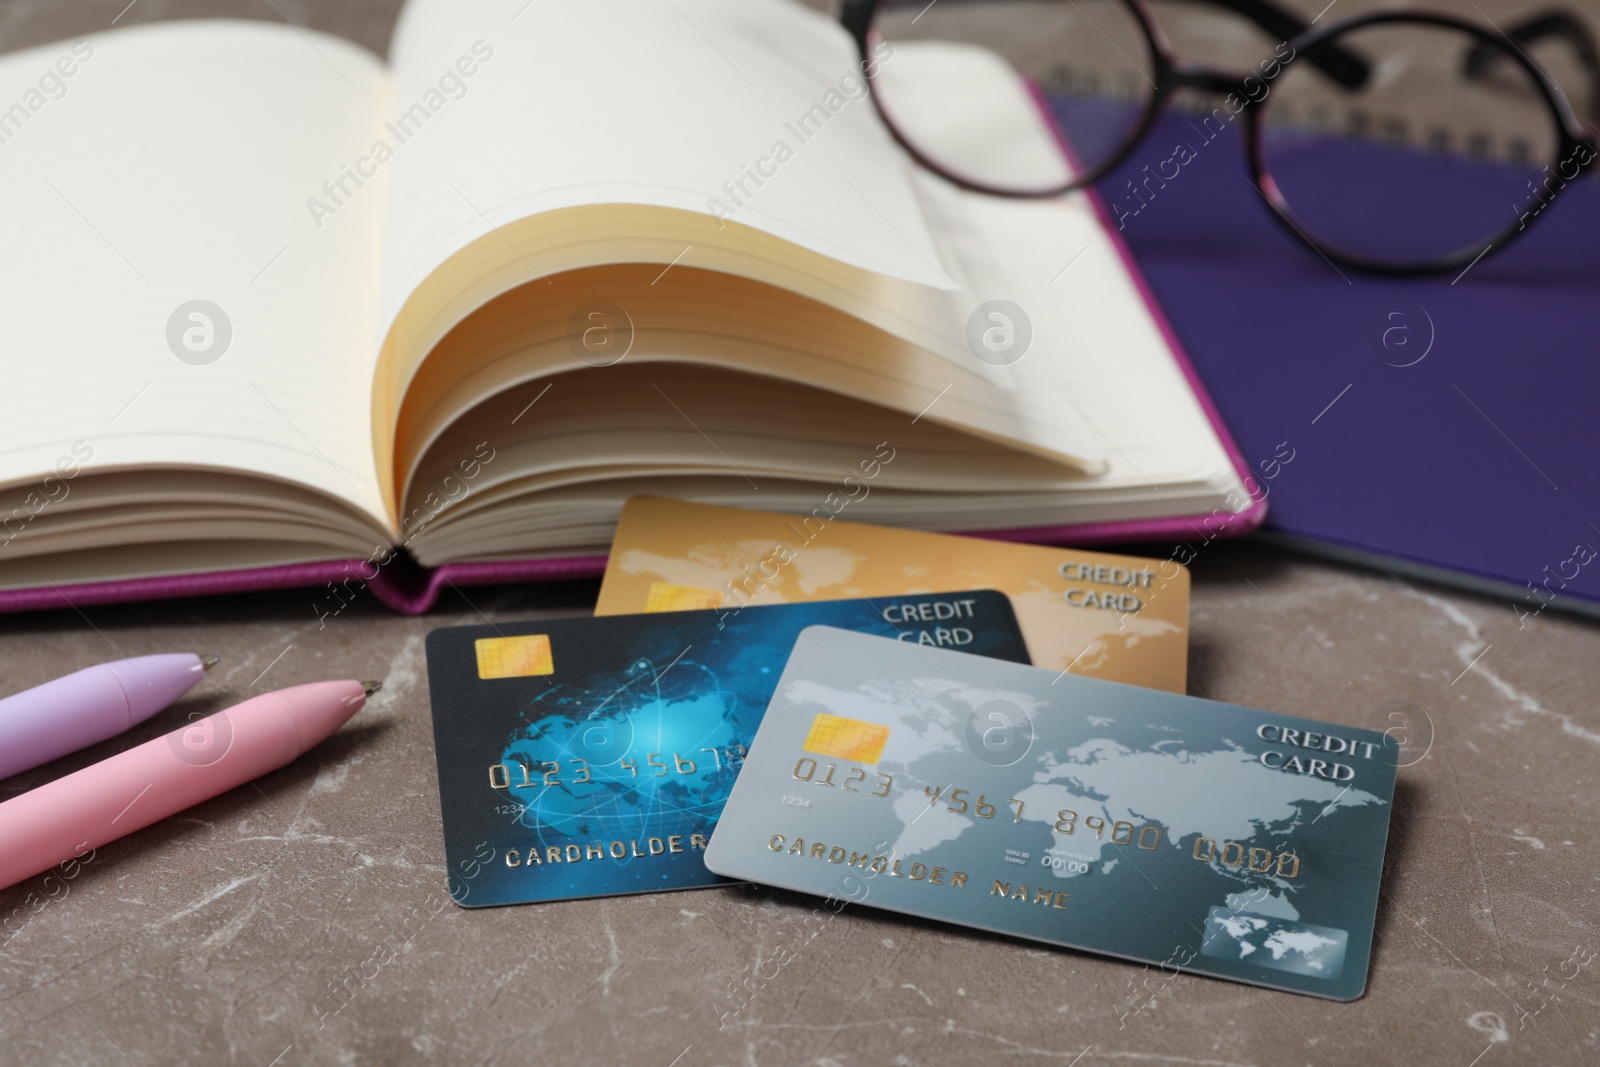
pixel 1084 813
pixel 592 757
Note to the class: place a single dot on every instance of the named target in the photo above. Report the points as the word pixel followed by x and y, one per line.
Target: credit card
pixel 1122 618
pixel 1179 832
pixel 592 757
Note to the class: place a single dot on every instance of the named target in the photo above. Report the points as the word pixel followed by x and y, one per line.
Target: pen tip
pixel 207 662
pixel 371 687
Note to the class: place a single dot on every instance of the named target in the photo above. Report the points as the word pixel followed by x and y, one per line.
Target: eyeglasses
pixel 1033 98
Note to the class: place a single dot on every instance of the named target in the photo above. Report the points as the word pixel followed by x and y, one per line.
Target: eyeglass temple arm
pixel 1554 23
pixel 1340 64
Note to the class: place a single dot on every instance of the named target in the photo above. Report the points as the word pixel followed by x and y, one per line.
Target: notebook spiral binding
pixel 1355 122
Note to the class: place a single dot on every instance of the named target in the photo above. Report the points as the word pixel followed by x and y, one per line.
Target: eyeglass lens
pixel 959 86
pixel 1423 161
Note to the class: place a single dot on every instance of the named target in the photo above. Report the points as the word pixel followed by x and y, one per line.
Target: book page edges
pixel 534 249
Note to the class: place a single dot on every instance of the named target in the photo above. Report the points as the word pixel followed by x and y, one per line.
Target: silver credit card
pixel 1147 825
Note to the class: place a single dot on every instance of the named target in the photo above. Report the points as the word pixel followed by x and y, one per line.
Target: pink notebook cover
pixel 414 590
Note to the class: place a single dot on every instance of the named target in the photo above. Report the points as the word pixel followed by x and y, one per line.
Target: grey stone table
pixel 305 920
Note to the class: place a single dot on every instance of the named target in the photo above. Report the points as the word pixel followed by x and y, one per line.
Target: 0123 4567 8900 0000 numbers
pixel 1067 821
pixel 962 802
pixel 545 774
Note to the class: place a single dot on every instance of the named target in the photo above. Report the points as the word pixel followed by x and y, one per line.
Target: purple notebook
pixel 1447 430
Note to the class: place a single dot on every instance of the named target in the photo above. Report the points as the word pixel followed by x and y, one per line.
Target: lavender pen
pixel 80 709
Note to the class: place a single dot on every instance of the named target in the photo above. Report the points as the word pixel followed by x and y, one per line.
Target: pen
pixel 88 706
pixel 87 809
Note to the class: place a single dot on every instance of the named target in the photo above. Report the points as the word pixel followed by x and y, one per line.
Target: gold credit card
pixel 1122 618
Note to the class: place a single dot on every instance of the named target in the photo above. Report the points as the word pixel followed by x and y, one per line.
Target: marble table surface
pixel 305 920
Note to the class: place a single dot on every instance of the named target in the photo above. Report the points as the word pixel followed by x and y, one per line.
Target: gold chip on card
pixel 664 596
pixel 526 656
pixel 847 739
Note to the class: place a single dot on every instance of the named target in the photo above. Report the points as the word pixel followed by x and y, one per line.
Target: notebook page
pixel 173 164
pixel 676 104
pixel 1097 354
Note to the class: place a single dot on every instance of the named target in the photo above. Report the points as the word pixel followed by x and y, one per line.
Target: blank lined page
pixel 172 166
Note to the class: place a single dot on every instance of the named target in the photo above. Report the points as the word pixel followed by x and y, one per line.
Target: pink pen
pixel 87 809
pixel 88 706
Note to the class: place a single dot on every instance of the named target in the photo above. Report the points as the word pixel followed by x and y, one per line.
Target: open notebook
pixel 276 307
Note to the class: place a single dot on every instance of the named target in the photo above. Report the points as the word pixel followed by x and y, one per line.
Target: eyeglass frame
pixel 1172 73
